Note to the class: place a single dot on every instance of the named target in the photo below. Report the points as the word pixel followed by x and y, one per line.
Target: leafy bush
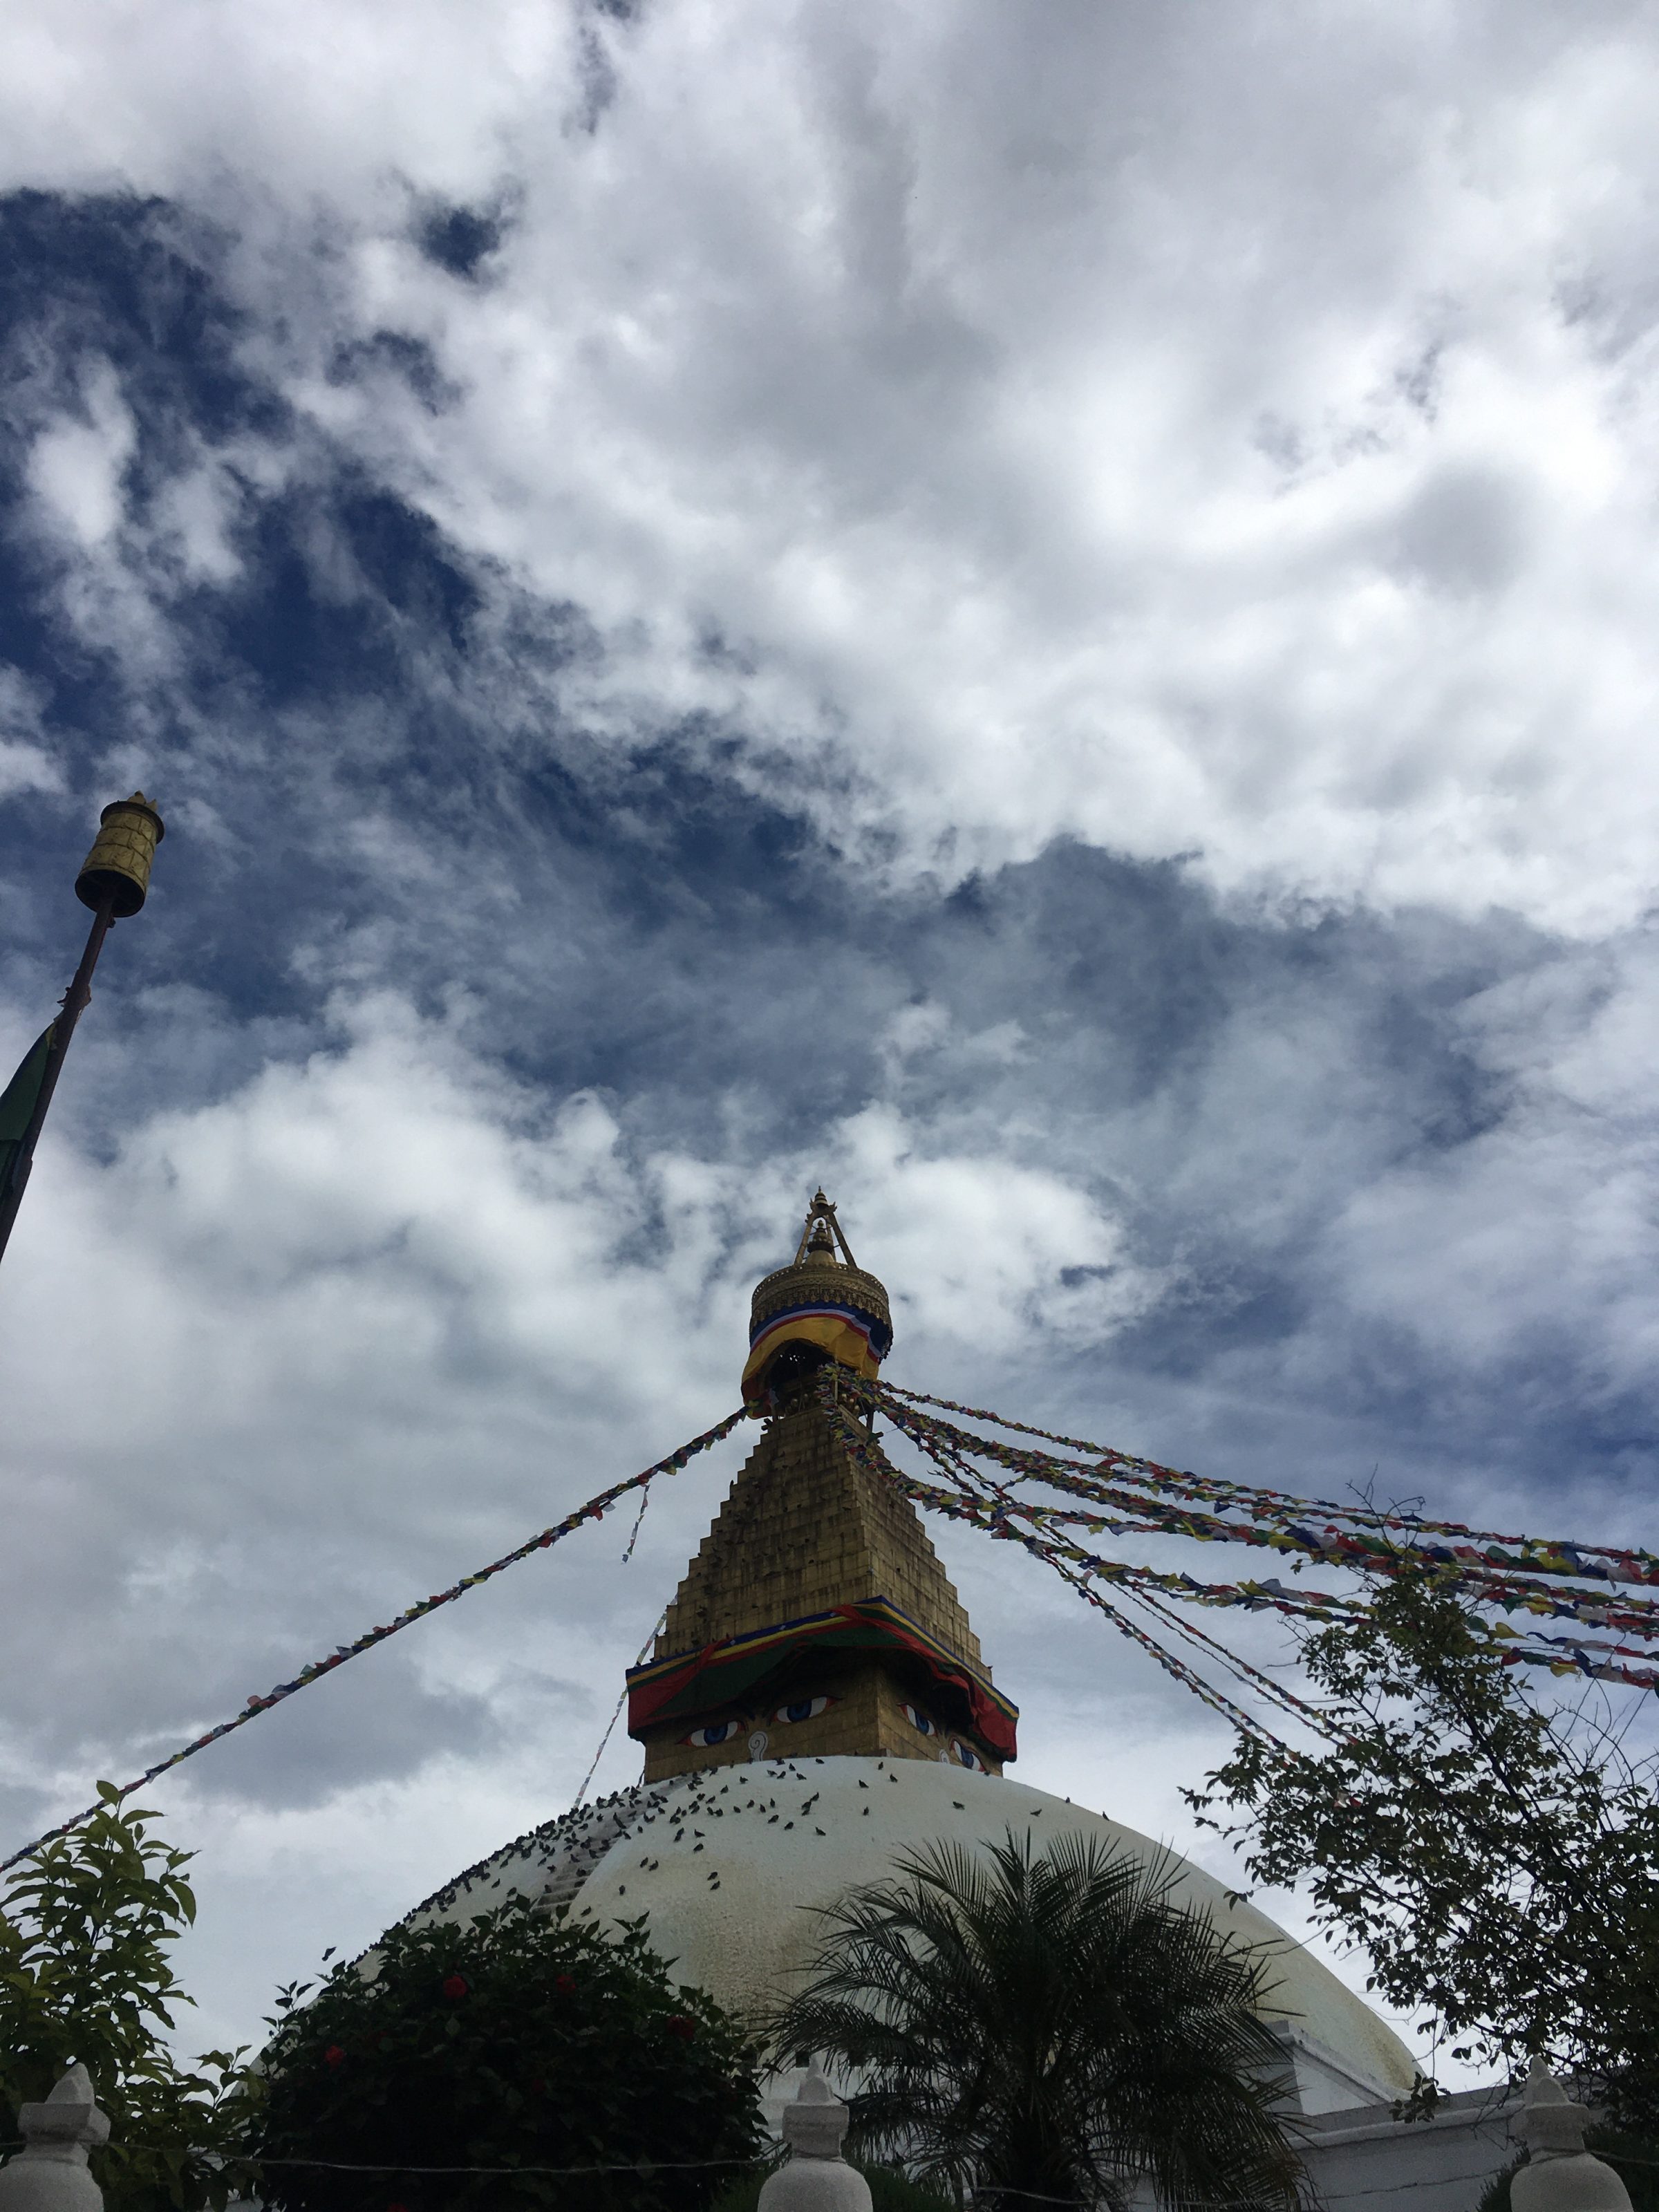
pixel 516 2040
pixel 85 1925
pixel 1496 1852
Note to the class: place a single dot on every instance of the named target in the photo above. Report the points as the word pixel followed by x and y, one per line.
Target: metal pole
pixel 74 1002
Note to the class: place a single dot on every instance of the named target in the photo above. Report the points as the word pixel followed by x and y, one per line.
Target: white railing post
pixel 49 2174
pixel 815 2178
pixel 1560 2175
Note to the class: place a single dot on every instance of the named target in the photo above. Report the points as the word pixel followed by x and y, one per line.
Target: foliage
pixel 85 1928
pixel 515 2041
pixel 1498 1862
pixel 890 2190
pixel 1054 2026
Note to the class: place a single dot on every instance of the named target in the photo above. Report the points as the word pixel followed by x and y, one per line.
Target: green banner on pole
pixel 17 1101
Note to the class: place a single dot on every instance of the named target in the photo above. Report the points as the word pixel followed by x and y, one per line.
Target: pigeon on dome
pixel 817 1708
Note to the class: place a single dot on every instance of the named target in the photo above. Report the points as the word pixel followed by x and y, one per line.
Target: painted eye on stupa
pixel 716 1732
pixel 966 1758
pixel 920 1721
pixel 803 1709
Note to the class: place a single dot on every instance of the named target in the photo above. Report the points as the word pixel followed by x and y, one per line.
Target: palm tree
pixel 1049 2028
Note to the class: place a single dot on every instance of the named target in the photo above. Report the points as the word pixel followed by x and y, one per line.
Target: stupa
pixel 817 1704
pixel 816 1618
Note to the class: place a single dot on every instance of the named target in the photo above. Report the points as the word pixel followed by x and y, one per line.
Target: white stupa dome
pixel 728 1864
pixel 816 1617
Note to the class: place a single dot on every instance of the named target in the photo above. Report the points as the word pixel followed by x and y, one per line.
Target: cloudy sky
pixel 1047 614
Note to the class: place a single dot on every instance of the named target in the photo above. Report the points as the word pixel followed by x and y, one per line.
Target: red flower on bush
pixel 455 1985
pixel 334 2056
pixel 679 2025
pixel 565 1984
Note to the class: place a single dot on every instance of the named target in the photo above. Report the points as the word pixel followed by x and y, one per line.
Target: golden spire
pixel 816 1618
pixel 821 1306
pixel 822 1232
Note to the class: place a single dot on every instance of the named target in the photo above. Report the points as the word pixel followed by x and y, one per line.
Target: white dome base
pixel 728 1864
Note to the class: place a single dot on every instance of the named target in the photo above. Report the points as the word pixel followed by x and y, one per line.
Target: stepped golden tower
pixel 815 1619
pixel 817 1711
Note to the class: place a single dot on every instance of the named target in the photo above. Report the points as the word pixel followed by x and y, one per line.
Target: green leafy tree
pixel 86 1925
pixel 1052 2026
pixel 1497 1858
pixel 513 2041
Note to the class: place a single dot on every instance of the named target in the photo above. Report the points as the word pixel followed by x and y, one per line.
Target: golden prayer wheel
pixel 118 867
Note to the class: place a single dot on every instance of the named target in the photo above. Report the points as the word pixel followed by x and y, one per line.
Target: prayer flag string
pixel 867 1453
pixel 1599 1562
pixel 1502 1573
pixel 593 1511
pixel 978 1483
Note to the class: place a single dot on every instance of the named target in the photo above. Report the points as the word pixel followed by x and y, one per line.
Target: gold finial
pixel 117 867
pixel 822 1232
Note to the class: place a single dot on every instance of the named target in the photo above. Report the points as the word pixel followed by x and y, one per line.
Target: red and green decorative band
pixel 688 1682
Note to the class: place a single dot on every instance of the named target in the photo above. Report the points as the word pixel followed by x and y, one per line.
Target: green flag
pixel 17 1101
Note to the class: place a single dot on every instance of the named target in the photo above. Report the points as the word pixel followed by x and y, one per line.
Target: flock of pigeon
pixel 555 1860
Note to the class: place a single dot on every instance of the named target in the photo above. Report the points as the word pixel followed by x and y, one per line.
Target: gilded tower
pixel 813 1668
pixel 816 1618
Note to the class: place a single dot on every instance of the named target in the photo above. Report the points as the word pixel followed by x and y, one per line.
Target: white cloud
pixel 26 761
pixel 373 1316
pixel 26 767
pixel 1534 1245
pixel 1230 434
pixel 75 464
pixel 120 552
pixel 985 1251
pixel 1226 431
pixel 293 1356
pixel 194 515
pixel 364 1322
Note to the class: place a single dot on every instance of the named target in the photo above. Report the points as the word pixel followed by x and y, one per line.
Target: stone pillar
pixel 1560 2175
pixel 49 2174
pixel 816 2178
